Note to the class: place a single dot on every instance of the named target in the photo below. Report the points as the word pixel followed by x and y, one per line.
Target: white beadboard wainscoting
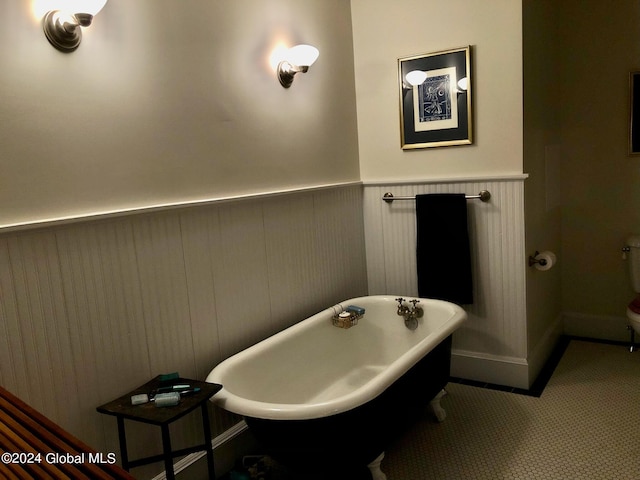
pixel 492 345
pixel 90 310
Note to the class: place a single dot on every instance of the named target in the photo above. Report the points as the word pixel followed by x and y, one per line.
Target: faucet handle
pixel 400 300
pixel 418 311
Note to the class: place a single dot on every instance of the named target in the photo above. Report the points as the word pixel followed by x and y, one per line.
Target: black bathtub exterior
pixel 356 437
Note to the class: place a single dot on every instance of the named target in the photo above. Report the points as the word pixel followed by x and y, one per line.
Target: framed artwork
pixel 634 110
pixel 435 99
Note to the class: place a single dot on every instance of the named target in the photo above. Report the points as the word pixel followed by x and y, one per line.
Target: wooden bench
pixel 33 447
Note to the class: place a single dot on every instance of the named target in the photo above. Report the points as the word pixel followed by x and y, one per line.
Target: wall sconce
pixel 62 26
pixel 415 78
pixel 297 59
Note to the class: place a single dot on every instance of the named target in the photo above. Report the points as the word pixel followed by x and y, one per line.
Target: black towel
pixel 443 256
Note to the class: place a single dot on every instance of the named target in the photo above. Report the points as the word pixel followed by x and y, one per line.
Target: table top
pixel 149 413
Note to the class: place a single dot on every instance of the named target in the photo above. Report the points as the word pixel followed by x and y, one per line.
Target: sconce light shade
pixel 297 60
pixel 302 55
pixel 62 26
pixel 416 77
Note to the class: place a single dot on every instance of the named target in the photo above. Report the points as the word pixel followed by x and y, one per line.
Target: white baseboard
pixel 541 352
pixel 520 372
pixel 481 367
pixel 601 327
pixel 224 439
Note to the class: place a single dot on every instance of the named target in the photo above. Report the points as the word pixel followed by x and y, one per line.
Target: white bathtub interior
pixel 315 369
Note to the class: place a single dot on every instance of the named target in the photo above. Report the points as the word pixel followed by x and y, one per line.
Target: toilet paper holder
pixel 533 260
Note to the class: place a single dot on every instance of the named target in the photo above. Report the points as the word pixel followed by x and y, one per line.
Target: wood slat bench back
pixel 25 430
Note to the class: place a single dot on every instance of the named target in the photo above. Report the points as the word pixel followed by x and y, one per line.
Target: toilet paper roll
pixel 546 260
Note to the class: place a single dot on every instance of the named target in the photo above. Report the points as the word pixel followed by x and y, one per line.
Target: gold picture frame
pixel 437 111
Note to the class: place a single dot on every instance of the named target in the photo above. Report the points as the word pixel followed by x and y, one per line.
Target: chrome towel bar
pixel 484 196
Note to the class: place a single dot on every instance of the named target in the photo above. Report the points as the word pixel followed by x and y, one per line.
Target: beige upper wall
pixel 142 114
pixel 599 46
pixel 584 188
pixel 383 31
pixel 170 101
pixel 542 162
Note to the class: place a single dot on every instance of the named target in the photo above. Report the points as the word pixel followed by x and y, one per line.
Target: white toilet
pixel 633 309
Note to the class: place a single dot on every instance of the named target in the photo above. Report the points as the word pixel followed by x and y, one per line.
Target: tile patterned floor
pixel 580 421
pixel 584 425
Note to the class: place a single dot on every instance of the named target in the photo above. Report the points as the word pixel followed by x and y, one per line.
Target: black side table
pixel 162 416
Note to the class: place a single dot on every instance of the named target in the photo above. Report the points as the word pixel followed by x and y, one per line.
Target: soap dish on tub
pixel 348 318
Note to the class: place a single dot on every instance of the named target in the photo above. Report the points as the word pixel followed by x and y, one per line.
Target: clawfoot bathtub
pixel 316 394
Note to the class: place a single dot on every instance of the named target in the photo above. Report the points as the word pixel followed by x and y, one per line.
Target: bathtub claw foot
pixel 437 409
pixel 374 468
